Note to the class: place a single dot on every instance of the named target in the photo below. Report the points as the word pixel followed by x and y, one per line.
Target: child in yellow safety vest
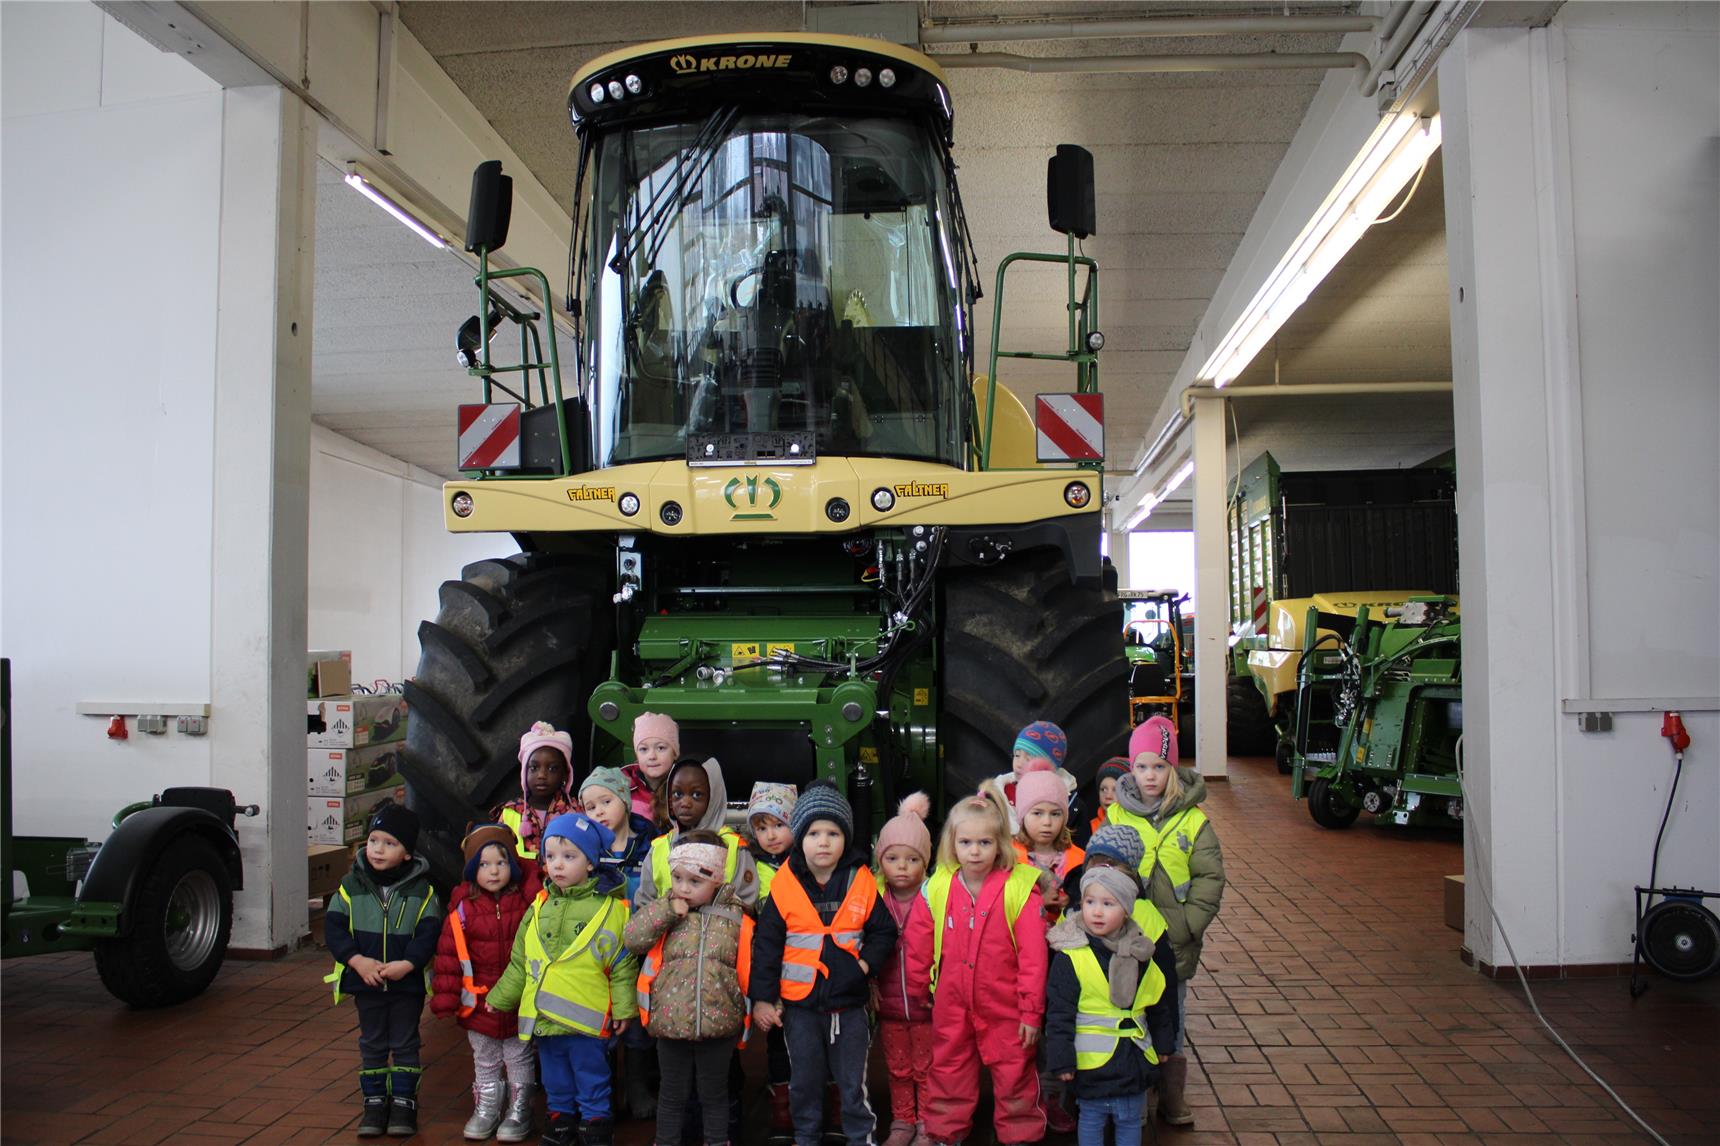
pixel 697 944
pixel 546 788
pixel 1107 1017
pixel 822 936
pixel 698 798
pixel 572 980
pixel 769 810
pixel 484 915
pixel 1182 868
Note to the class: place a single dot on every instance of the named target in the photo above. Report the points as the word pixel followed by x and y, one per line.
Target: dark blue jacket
pixel 1127 1072
pixel 846 987
pixel 400 919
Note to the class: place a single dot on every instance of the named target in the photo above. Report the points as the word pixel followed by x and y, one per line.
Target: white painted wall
pixel 378 553
pixel 1581 178
pixel 110 200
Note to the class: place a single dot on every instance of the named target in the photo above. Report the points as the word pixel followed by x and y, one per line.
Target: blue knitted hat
pixel 1043 738
pixel 582 832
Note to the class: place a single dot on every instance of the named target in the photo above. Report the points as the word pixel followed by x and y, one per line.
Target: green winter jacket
pixel 1185 922
pixel 401 919
pixel 558 920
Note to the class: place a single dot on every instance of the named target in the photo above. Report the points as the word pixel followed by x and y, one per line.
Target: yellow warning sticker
pixel 743 651
pixel 772 650
pixel 922 696
pixel 868 755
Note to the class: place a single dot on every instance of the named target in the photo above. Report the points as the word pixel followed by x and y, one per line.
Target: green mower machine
pixel 1378 715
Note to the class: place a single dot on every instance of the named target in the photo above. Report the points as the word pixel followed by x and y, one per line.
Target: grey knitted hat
pixel 1120 843
pixel 821 801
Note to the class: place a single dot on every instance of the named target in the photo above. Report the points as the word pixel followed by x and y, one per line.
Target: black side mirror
pixel 492 206
pixel 1069 191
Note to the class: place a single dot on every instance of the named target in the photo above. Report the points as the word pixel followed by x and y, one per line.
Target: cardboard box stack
pixel 353 746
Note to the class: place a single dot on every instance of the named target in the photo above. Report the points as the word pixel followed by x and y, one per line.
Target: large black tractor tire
pixel 1023 642
pixel 181 919
pixel 1329 807
pixel 1249 727
pixel 517 639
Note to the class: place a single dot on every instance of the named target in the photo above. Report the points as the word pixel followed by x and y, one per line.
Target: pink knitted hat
pixel 543 735
pixel 1157 736
pixel 908 828
pixel 655 724
pixel 1039 788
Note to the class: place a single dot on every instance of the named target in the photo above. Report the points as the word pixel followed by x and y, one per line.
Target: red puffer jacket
pixel 490 923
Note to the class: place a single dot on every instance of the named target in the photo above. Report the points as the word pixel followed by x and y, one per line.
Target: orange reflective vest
pixel 1073 857
pixel 743 969
pixel 469 991
pixel 804 944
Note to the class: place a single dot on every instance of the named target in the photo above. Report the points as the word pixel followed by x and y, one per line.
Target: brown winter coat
pixel 697 993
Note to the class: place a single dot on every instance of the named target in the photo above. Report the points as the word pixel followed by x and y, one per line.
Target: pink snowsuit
pixel 905 1010
pixel 987 988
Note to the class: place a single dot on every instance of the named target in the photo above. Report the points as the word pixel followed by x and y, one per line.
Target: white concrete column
pixel 1119 550
pixel 262 464
pixel 1212 610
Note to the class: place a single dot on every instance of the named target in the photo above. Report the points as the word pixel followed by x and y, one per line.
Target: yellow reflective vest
pixel 1167 845
pixel 1022 879
pixel 660 859
pixel 1099 1023
pixel 512 818
pixel 573 987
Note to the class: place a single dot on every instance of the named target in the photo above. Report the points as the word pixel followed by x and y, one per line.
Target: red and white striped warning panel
pixel 490 436
pixel 1071 427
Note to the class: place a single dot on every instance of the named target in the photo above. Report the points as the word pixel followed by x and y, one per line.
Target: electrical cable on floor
pixel 1471 823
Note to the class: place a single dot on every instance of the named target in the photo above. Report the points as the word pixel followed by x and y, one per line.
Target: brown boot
pixel 1173 1107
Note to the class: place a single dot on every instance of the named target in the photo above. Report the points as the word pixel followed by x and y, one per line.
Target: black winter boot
pixel 562 1130
pixel 597 1132
pixel 373 1085
pixel 402 1117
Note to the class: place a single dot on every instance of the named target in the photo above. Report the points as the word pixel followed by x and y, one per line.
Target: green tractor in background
pixel 1379 716
pixel 779 506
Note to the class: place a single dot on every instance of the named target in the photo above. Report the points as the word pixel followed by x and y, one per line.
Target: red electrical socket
pixel 116 729
pixel 1672 727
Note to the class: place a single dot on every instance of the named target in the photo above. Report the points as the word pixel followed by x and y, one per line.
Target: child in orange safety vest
pixel 821 937
pixel 477 937
pixel 697 944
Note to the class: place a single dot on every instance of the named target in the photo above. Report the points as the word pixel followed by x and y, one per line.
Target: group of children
pixel 622 925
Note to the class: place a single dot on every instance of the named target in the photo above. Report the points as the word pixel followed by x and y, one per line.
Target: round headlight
pixel 461 504
pixel 595 91
pixel 616 91
pixel 1077 494
pixel 862 77
pixel 838 74
pixel 635 84
pixel 886 78
pixel 836 509
pixel 628 504
pixel 882 499
pixel 1096 341
pixel 670 514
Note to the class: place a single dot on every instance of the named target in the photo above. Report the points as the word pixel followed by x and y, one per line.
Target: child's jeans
pixel 687 1065
pixel 908 1056
pixel 388 1030
pixel 1124 1113
pixel 490 1055
pixel 575 1070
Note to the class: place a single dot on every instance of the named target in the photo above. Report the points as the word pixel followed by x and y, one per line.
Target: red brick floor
pixel 1331 1007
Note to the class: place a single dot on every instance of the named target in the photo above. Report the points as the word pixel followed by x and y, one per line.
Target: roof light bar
pixel 1398 148
pixel 361 183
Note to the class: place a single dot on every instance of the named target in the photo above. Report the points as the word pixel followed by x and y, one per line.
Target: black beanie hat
pixel 398 821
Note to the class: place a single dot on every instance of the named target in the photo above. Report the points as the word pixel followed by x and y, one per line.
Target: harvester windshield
pixel 774 272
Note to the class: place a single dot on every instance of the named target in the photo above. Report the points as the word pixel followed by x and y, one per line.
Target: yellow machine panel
pixel 1285 621
pixel 763 499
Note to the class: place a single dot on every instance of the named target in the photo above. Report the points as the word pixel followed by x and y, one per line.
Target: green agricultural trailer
pixel 779 504
pixel 1335 541
pixel 154 901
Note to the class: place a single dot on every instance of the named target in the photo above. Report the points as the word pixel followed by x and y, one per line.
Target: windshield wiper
pixel 695 159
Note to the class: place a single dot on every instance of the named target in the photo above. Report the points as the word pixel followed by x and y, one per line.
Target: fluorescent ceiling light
pixel 364 186
pixel 1153 500
pixel 1398 148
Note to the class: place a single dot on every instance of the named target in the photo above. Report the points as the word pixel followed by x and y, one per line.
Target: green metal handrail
pixel 531 348
pixel 1083 320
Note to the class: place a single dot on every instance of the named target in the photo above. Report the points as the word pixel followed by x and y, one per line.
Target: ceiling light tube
pixel 1398 148
pixel 363 185
pixel 1153 500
